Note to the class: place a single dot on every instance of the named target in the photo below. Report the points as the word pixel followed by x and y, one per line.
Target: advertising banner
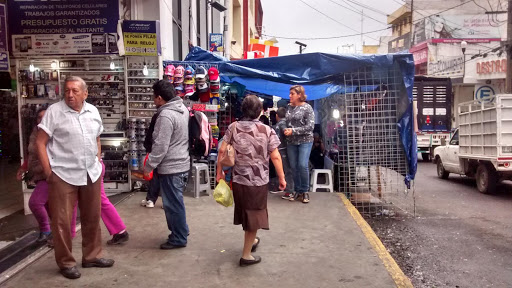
pixel 216 44
pixel 465 26
pixel 445 60
pixel 4 54
pixel 63 27
pixel 142 38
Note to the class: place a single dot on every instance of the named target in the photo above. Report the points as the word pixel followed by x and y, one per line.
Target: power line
pixel 367 7
pixel 334 20
pixel 359 12
pixel 326 38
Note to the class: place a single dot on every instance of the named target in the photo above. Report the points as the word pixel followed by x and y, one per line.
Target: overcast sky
pixel 293 18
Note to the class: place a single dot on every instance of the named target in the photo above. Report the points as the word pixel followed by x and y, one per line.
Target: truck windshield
pixel 455 138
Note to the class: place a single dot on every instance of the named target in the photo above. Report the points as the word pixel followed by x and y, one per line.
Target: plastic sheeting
pixel 321 75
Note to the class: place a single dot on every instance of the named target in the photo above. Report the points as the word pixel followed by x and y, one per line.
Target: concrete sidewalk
pixel 313 245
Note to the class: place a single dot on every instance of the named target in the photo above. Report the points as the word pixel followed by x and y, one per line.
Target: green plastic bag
pixel 222 194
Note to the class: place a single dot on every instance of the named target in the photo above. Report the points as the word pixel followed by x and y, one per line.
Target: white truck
pixel 481 147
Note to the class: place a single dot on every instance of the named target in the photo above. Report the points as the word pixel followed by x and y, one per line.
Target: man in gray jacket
pixel 169 153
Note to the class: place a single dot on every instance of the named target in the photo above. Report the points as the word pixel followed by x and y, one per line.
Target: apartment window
pixel 177 40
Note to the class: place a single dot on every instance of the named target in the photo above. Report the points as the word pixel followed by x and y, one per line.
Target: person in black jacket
pixel 154 184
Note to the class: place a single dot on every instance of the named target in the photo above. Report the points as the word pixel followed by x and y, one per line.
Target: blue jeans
pixel 298 157
pixel 172 186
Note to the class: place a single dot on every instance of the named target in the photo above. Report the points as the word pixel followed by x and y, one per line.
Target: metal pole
pixel 508 81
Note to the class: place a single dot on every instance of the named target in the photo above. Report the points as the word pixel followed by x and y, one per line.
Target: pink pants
pixel 38 205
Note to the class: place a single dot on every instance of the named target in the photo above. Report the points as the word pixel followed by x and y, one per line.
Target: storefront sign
pixel 485 93
pixel 491 67
pixel 142 38
pixel 4 54
pixel 63 27
pixel 462 26
pixel 216 42
pixel 445 60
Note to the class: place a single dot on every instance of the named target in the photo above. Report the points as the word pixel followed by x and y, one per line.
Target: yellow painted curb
pixel 396 273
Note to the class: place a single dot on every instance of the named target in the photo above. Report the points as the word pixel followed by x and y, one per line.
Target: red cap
pixel 213 73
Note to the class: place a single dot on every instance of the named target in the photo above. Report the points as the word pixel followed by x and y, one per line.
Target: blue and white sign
pixel 63 26
pixel 485 93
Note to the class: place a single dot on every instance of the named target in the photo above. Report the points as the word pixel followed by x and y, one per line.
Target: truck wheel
pixel 486 179
pixel 425 157
pixel 441 173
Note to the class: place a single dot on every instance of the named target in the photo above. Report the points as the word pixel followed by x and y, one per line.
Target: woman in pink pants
pixel 111 218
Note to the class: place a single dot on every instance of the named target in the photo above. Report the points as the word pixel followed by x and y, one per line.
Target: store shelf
pixel 140 69
pixel 143 109
pixel 142 93
pixel 148 85
pixel 103 81
pixel 145 117
pixel 140 101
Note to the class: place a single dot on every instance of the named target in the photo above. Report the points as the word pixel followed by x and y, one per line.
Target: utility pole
pixel 508 81
pixel 412 27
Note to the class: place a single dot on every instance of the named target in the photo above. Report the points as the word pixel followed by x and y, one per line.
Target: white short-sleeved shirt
pixel 72 148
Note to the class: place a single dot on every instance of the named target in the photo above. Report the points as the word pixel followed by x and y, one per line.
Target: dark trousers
pixel 62 198
pixel 288 174
pixel 173 186
pixel 154 188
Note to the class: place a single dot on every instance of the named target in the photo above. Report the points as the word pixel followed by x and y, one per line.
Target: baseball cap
pixel 201 72
pixel 178 80
pixel 215 87
pixel 190 90
pixel 189 72
pixel 202 87
pixel 213 73
pixel 190 81
pixel 169 70
pixel 179 71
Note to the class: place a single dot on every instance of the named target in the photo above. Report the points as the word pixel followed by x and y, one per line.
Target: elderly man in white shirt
pixel 69 148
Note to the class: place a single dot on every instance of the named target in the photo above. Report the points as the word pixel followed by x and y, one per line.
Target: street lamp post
pixel 463 46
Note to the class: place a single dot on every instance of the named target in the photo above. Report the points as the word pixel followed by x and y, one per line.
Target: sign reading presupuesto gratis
pixel 142 38
pixel 63 27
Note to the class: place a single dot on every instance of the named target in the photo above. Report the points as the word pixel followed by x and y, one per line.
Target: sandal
pixel 305 198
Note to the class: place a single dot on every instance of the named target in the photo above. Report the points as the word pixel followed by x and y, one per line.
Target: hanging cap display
pixel 213 73
pixel 189 72
pixel 179 71
pixel 169 70
pixel 204 96
pixel 201 72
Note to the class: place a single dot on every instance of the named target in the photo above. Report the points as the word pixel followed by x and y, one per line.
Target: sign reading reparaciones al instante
pixel 63 27
pixel 142 38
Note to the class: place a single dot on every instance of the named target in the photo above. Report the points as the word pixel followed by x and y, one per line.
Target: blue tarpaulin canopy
pixel 321 75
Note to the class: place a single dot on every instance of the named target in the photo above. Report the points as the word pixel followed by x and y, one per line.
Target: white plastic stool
pixel 199 178
pixel 314 180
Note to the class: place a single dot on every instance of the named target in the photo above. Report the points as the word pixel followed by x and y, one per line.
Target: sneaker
pixel 297 196
pixel 287 196
pixel 143 203
pixel 275 192
pixel 150 204
pixel 44 237
pixel 305 198
pixel 119 238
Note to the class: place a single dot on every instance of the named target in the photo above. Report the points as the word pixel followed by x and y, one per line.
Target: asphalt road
pixel 459 237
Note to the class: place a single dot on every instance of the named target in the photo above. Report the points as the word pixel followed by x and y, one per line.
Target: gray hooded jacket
pixel 169 151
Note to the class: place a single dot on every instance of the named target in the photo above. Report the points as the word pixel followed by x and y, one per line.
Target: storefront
pixel 82 40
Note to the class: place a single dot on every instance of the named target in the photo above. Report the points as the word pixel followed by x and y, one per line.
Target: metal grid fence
pixel 371 163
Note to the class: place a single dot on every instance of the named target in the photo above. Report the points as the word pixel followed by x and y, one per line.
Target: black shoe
pixel 169 246
pixel 118 238
pixel 287 196
pixel 70 273
pixel 43 237
pixel 100 263
pixel 305 198
pixel 254 246
pixel 296 196
pixel 246 262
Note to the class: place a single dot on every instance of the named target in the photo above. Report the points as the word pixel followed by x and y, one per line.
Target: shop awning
pixel 322 75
